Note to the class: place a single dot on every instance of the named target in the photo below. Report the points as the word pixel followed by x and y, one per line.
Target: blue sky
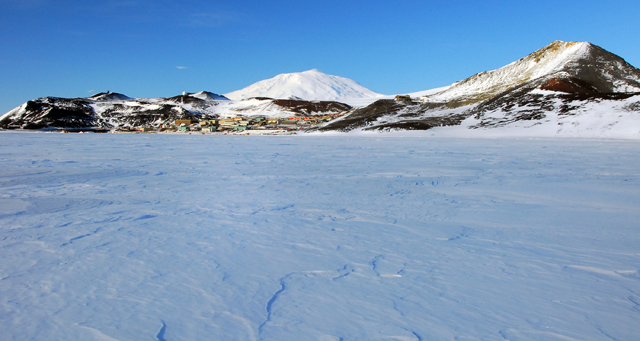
pixel 71 48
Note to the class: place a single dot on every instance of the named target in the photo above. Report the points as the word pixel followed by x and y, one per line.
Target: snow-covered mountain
pixel 308 85
pixel 563 89
pixel 592 64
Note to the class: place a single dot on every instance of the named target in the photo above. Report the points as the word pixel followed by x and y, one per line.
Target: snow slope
pixel 568 58
pixel 550 115
pixel 191 237
pixel 573 89
pixel 307 85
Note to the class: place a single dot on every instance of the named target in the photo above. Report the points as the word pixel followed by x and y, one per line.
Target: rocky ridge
pixel 560 85
pixel 106 111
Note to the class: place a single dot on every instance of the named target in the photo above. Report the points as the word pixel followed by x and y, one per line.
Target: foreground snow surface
pixel 190 237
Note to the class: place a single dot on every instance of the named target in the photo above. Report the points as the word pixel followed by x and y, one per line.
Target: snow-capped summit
pixel 585 61
pixel 308 85
pixel 110 96
pixel 208 96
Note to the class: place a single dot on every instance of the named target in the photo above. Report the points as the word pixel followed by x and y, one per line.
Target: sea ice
pixel 192 237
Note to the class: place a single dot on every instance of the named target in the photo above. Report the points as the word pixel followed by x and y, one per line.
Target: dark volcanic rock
pixel 307 108
pixel 570 85
pixel 53 112
pixel 409 115
pixel 112 110
pixel 603 69
pixel 186 99
pixel 362 117
pixel 151 116
pixel 421 124
pixel 110 96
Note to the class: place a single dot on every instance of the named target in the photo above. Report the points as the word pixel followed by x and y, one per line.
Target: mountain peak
pixel 110 96
pixel 559 51
pixel 584 61
pixel 208 96
pixel 308 85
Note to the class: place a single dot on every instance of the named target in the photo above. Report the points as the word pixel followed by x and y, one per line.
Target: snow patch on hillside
pixel 600 120
pixel 17 111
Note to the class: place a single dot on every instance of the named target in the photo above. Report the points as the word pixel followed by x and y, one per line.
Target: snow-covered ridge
pixel 308 85
pixel 603 70
pixel 542 62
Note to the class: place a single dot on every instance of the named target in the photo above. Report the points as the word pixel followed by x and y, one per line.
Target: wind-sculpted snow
pixel 204 237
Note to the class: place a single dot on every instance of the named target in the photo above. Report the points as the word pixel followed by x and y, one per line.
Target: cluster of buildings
pixel 241 124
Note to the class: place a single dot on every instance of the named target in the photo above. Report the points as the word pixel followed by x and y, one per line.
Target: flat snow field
pixel 191 237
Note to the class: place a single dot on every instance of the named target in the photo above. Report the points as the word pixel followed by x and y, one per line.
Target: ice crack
pixel 82 236
pixel 76 238
pixel 273 298
pixel 636 305
pixel 374 264
pixel 415 334
pixel 607 334
pixel 160 335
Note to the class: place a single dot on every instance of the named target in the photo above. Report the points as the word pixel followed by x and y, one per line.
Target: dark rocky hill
pixel 113 110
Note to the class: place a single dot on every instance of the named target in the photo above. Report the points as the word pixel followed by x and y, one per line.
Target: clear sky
pixel 159 48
